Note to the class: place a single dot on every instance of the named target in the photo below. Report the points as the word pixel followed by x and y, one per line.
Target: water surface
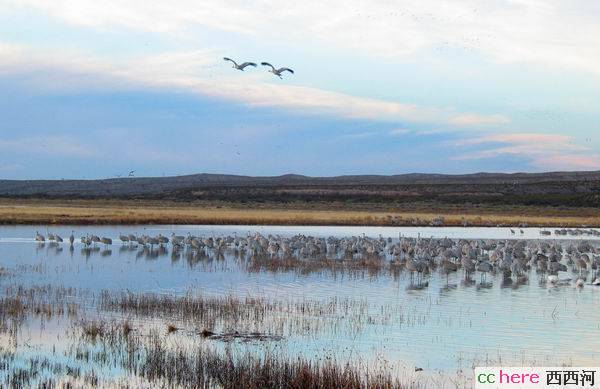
pixel 446 326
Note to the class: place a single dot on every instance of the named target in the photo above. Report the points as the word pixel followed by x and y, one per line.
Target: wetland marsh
pixel 292 306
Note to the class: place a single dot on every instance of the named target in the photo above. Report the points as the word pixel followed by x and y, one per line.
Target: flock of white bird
pixel 511 258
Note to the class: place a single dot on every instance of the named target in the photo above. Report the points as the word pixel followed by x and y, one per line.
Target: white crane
pixel 240 66
pixel 277 72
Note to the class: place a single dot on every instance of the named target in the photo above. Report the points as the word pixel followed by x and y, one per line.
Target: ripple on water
pixel 441 326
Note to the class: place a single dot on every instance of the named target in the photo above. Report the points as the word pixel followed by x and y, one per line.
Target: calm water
pixel 446 326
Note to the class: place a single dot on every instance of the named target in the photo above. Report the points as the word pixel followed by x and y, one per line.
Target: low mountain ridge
pixel 553 188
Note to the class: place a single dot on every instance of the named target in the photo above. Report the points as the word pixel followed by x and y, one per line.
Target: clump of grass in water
pixel 33 371
pixel 93 329
pixel 199 306
pixel 274 318
pixel 229 309
pixel 12 307
pixel 149 357
pixel 208 368
pixel 12 315
pixel 171 328
pixel 127 328
pixel 47 300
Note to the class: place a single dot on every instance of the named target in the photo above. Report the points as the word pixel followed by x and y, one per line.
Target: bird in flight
pixel 277 72
pixel 131 172
pixel 239 67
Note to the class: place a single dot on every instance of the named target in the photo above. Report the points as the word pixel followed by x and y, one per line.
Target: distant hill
pixel 558 188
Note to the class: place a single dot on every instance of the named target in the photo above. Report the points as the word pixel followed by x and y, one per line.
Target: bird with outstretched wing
pixel 239 66
pixel 277 72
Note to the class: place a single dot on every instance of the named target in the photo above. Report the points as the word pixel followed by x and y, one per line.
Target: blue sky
pixel 93 90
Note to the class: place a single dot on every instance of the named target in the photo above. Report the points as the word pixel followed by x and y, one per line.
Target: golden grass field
pixel 166 212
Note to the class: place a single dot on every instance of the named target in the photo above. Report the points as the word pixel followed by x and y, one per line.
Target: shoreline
pixel 136 212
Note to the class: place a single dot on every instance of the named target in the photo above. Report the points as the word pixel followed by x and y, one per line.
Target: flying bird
pixel 277 72
pixel 239 67
pixel 131 173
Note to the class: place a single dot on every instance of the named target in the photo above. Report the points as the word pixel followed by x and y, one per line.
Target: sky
pixel 93 89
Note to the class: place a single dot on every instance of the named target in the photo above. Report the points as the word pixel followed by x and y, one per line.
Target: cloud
pixel 568 162
pixel 195 72
pixel 544 32
pixel 429 132
pixel 471 119
pixel 323 101
pixel 545 151
pixel 114 149
pixel 400 131
pixel 54 146
pixel 534 139
pixel 360 135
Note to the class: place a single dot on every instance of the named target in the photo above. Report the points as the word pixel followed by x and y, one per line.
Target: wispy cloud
pixel 400 131
pixel 543 141
pixel 545 151
pixel 407 131
pixel 115 149
pixel 52 146
pixel 568 162
pixel 360 135
pixel 181 70
pixel 471 119
pixel 521 31
pixel 422 39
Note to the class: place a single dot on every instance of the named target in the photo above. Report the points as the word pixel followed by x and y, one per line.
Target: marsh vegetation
pixel 196 308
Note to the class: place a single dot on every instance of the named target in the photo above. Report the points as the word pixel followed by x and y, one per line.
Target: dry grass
pixel 232 312
pixel 41 301
pixel 12 307
pixel 172 365
pixel 226 318
pixel 171 328
pixel 93 329
pixel 156 212
pixel 208 369
pixel 127 328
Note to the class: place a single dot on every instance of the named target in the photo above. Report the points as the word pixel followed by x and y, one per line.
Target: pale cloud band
pixel 550 33
pixel 464 38
pixel 187 71
pixel 546 151
pixel 41 146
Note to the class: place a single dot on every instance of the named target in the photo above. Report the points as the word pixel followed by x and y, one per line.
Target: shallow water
pixel 446 326
pixel 8 233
